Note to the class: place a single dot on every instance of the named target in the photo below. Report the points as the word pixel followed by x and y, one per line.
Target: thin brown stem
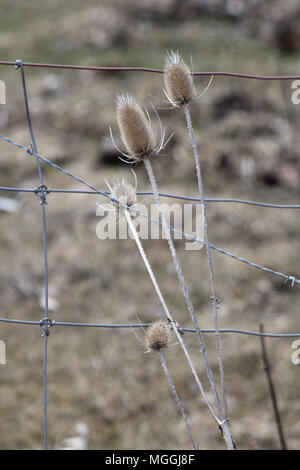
pixel 267 369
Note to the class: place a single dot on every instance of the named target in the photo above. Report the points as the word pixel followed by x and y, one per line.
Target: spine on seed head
pixel 178 80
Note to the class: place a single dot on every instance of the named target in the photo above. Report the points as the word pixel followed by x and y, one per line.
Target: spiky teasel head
pixel 178 80
pixel 134 127
pixel 136 130
pixel 125 194
pixel 157 336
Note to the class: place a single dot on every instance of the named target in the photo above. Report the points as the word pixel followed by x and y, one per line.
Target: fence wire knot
pixel 215 299
pixel 45 324
pixel 292 279
pixel 18 63
pixel 42 190
pixel 175 324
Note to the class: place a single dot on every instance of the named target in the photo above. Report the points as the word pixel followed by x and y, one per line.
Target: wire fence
pixel 42 191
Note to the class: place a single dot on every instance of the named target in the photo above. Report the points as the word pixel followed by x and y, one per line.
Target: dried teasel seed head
pixel 134 127
pixel 125 194
pixel 178 80
pixel 157 336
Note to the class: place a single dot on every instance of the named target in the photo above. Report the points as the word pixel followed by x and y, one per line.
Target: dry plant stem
pixel 182 283
pixel 209 257
pixel 177 398
pixel 224 422
pixel 168 314
pixel 272 391
pixel 211 272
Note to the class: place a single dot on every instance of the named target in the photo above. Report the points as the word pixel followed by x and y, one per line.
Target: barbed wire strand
pixel 43 203
pixel 145 325
pixel 291 278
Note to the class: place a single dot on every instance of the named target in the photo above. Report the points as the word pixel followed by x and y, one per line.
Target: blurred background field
pixel 248 138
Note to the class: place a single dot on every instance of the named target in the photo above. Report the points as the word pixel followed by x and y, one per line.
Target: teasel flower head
pixel 123 197
pixel 157 336
pixel 178 79
pixel 136 130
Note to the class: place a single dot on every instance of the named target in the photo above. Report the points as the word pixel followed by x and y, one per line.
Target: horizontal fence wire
pixel 29 150
pixel 43 203
pixel 145 325
pixel 42 191
pixel 151 70
pixel 167 195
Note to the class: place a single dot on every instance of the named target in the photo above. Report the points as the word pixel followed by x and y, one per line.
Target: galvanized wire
pixel 150 193
pixel 19 65
pixel 291 278
pixel 145 325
